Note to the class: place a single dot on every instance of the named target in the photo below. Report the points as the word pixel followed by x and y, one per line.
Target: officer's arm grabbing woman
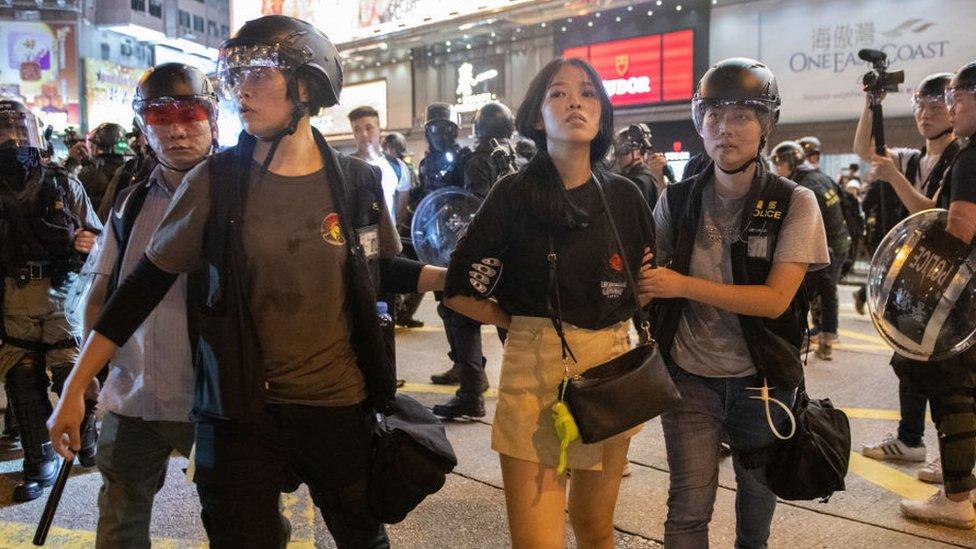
pixel 280 298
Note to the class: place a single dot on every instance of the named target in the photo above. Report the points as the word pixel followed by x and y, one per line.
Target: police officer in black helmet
pixel 47 227
pixel 108 141
pixel 443 163
pixel 494 156
pixel 286 241
pixel 739 241
pixel 792 162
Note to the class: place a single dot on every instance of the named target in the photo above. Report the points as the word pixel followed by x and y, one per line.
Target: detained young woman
pixel 499 275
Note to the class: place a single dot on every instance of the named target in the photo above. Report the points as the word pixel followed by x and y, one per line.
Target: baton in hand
pixel 40 535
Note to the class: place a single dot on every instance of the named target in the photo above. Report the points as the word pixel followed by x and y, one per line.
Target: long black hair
pixel 546 194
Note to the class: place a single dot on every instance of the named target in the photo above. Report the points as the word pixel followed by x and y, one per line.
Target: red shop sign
pixel 648 69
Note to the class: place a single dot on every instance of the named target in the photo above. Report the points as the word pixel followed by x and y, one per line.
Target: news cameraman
pixel 916 176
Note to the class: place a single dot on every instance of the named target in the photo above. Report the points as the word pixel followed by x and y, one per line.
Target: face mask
pixel 17 162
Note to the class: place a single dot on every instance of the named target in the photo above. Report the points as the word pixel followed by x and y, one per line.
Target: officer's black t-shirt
pixel 963 179
pixel 503 254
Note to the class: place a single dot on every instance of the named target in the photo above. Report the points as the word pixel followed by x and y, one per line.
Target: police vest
pixel 227 357
pixel 831 209
pixel 774 344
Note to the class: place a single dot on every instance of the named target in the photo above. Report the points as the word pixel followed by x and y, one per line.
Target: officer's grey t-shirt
pixel 295 258
pixel 709 341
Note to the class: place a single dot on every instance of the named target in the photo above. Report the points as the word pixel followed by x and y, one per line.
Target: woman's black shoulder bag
pixel 626 391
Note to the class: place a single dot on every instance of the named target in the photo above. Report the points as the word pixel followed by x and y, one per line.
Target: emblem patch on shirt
pixel 612 290
pixel 616 262
pixel 331 230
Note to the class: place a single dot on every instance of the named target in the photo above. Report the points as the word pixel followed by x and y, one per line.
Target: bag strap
pixel 554 304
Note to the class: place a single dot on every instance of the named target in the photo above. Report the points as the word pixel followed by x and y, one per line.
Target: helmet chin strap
pixel 749 163
pixel 942 134
pixel 300 110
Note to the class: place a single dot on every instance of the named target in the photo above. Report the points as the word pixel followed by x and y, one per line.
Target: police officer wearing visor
pixel 739 241
pixel 790 162
pixel 286 241
pixel 917 177
pixel 47 227
pixel 148 394
pixel 443 166
pixel 631 148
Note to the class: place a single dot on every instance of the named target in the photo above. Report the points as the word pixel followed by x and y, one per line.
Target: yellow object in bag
pixel 566 428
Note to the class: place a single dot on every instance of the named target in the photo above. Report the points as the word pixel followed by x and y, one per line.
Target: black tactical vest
pixel 774 344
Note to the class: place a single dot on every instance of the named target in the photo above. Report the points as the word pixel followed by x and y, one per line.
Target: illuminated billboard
pixel 347 20
pixel 39 62
pixel 657 68
pixel 108 92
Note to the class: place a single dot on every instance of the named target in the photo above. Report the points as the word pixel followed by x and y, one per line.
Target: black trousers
pixel 464 339
pixel 242 468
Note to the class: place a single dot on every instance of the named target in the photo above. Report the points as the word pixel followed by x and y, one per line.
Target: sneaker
pixel 939 509
pixel 932 472
pixel 859 302
pixel 892 448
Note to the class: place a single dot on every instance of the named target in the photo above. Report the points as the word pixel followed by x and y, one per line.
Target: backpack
pixel 813 462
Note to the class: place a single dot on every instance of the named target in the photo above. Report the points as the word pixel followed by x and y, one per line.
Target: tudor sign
pixel 649 69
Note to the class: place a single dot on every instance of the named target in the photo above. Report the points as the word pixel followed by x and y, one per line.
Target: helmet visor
pixel 166 111
pixel 254 65
pixel 733 113
pixel 19 129
pixel 952 93
pixel 931 103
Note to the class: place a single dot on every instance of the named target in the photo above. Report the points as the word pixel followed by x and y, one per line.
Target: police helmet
pixel 634 137
pixel 291 45
pixel 811 145
pixel 441 123
pixel 494 121
pixel 175 85
pixel 788 151
pixel 738 81
pixel 107 137
pixel 19 127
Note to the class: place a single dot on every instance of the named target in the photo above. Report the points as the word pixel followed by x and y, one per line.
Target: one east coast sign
pixel 644 70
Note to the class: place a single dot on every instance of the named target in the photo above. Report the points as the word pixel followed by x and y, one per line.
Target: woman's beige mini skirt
pixel 532 370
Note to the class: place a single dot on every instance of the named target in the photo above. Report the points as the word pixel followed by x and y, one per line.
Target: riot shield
pixel 439 222
pixel 921 289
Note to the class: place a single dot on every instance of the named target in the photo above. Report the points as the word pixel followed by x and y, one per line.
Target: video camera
pixel 636 137
pixel 879 79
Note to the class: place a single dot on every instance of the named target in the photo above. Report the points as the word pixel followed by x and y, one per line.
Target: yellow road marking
pixel 291 502
pixel 863 337
pixel 439 389
pixel 19 535
pixel 889 478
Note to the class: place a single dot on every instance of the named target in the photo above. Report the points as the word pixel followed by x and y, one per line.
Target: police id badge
pixel 760 244
pixel 369 240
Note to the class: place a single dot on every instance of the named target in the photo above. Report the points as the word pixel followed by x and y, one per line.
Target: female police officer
pixel 281 235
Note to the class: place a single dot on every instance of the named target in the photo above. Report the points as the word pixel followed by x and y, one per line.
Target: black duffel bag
pixel 411 460
pixel 813 462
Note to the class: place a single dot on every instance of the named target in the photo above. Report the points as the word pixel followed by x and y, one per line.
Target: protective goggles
pixel 953 92
pixel 931 103
pixel 255 65
pixel 734 112
pixel 18 129
pixel 169 110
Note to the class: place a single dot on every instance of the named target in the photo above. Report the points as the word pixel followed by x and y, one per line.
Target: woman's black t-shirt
pixel 503 254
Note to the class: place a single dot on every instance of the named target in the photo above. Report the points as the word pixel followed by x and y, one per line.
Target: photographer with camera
pixel 637 161
pixel 916 176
